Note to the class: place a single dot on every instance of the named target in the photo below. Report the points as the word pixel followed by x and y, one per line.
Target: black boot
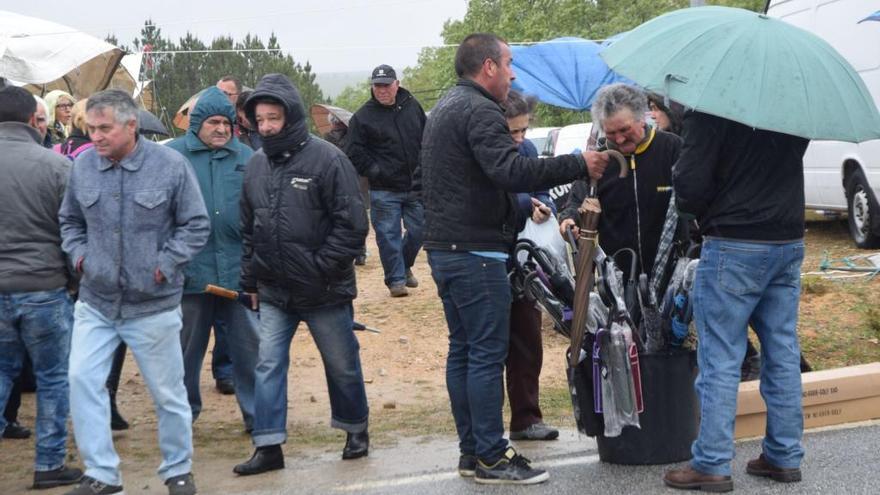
pixel 117 422
pixel 268 458
pixel 356 445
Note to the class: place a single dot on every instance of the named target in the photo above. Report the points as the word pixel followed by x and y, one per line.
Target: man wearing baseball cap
pixel 384 143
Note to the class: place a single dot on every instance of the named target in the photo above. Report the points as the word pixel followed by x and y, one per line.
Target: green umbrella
pixel 749 68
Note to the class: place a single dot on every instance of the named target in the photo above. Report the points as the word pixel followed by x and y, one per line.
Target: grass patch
pixel 814 285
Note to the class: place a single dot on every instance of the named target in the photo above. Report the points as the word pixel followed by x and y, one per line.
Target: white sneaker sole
pixel 498 481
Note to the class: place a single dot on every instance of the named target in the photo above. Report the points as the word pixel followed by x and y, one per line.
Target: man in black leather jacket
pixel 302 223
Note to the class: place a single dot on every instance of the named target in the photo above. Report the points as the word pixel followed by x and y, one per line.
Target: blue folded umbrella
pixel 566 72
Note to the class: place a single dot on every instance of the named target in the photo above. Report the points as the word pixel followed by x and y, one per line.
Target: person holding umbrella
pixel 760 89
pixel 746 188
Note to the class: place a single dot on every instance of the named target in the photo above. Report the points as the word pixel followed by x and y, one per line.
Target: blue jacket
pixel 220 173
pixel 124 220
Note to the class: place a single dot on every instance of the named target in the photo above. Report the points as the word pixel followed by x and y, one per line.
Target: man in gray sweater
pixel 132 218
pixel 36 311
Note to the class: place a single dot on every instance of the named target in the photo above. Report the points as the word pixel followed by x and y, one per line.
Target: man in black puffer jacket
pixel 384 139
pixel 302 222
pixel 470 166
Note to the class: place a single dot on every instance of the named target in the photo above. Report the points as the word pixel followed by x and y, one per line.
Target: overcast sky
pixel 334 35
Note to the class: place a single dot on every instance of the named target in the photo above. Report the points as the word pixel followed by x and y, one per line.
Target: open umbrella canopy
pixel 321 116
pixel 45 56
pixel 149 124
pixel 751 69
pixel 566 72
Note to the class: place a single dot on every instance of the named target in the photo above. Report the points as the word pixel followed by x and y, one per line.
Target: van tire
pixel 862 210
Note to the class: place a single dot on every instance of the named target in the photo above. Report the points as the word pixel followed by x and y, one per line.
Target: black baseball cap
pixel 384 74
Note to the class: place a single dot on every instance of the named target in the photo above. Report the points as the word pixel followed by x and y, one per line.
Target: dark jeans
pixel 476 301
pixel 331 327
pixel 397 252
pixel 221 362
pixel 524 361
pixel 201 312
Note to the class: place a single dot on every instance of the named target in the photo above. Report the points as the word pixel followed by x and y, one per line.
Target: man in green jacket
pixel 218 159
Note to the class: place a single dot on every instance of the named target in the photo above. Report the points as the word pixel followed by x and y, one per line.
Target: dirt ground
pixel 404 370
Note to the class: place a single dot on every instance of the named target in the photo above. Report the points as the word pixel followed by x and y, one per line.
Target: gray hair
pixel 123 106
pixel 616 97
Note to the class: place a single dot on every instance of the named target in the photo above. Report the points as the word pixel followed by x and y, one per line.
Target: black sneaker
pixel 57 477
pixel 181 485
pixel 467 465
pixel 511 469
pixel 91 486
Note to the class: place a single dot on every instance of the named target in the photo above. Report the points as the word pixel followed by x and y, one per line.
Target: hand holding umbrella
pixel 588 223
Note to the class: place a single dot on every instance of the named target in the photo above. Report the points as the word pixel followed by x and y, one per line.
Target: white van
pixel 843 177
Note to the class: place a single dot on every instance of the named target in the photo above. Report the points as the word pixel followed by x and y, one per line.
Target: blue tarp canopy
pixel 566 72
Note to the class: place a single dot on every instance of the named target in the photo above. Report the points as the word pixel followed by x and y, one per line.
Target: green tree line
pixel 177 76
pixel 527 21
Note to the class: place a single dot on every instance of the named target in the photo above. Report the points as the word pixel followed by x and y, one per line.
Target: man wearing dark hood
pixel 303 223
pixel 218 160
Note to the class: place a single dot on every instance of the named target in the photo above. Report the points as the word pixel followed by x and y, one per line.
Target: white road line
pixel 448 475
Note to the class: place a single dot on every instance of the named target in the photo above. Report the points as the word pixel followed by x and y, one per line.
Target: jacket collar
pixel 19 131
pixel 196 145
pixel 472 84
pixel 131 162
pixel 403 97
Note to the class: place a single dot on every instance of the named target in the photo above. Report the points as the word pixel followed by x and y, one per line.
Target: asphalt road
pixel 838 461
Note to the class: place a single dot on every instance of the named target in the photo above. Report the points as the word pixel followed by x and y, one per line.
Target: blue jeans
pixel 332 330
pixel 201 312
pixel 476 300
pixel 397 253
pixel 155 342
pixel 740 284
pixel 39 323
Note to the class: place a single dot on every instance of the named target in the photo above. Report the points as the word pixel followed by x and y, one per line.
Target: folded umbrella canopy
pixel 44 56
pixel 749 68
pixel 566 72
pixel 321 116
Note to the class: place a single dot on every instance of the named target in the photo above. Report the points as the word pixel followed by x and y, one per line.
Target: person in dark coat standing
pixel 745 187
pixel 383 141
pixel 302 224
pixel 218 160
pixel 469 168
pixel 36 310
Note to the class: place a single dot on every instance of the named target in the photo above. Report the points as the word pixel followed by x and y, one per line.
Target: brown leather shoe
pixel 762 467
pixel 688 478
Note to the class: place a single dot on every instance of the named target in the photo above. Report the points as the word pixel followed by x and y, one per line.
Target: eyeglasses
pixel 231 94
pixel 64 105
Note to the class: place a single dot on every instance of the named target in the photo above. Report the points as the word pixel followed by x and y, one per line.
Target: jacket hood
pixel 279 88
pixel 51 100
pixel 403 96
pixel 211 102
